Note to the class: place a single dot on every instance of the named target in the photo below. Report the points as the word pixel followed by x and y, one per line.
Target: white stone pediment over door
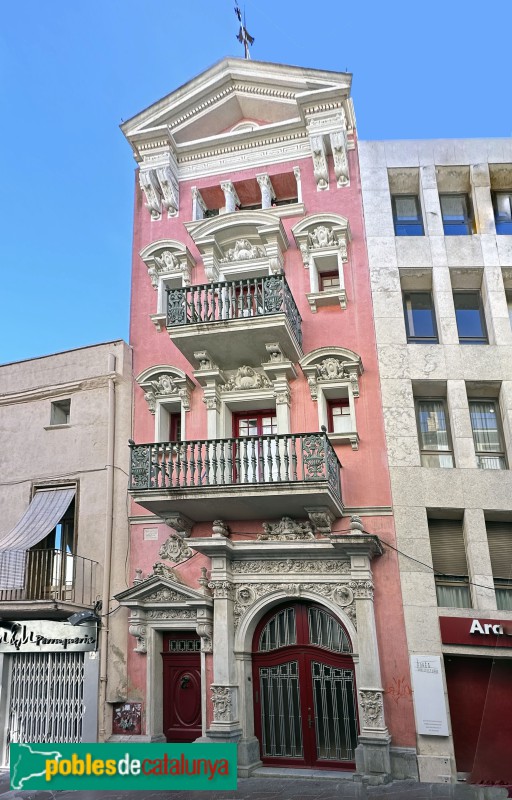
pixel 162 602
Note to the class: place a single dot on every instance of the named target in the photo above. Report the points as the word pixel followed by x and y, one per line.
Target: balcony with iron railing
pixel 238 478
pixel 234 320
pixel 55 581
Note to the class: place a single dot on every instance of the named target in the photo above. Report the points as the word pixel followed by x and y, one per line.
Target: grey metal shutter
pixel 448 549
pixel 499 536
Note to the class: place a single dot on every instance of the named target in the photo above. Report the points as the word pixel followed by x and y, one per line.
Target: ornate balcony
pixel 235 320
pixel 55 582
pixel 242 478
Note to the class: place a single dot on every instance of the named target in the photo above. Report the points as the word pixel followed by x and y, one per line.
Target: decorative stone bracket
pixel 158 178
pixel 334 126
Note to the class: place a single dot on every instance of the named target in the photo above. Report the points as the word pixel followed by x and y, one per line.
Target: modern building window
pixel 499 537
pixel 456 213
pixel 434 435
pixel 503 212
pixel 407 215
pixel 490 453
pixel 60 412
pixel 340 419
pixel 470 317
pixel 509 306
pixel 420 320
pixel 449 562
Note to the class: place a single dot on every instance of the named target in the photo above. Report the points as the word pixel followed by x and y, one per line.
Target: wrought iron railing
pixel 250 297
pixel 55 575
pixel 285 458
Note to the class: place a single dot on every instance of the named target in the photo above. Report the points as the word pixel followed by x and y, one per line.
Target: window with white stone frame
pixel 333 378
pixel 169 264
pixel 167 392
pixel 323 242
pixel 228 393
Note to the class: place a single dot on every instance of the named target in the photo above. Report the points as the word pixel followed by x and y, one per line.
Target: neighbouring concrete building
pixel 438 227
pixel 265 605
pixel 65 422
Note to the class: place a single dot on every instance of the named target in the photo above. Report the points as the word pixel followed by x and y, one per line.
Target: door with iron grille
pixel 304 689
pixel 46 697
pixel 182 687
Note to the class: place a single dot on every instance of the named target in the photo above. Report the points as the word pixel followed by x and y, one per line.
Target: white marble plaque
pixel 429 698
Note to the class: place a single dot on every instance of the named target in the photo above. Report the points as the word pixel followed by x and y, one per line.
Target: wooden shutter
pixel 499 536
pixel 447 543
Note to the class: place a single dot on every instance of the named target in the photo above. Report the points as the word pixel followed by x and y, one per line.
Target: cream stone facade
pixel 441 368
pixel 65 422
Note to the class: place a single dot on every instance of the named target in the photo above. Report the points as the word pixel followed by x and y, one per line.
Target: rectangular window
pixel 499 537
pixel 59 412
pixel 503 212
pixel 434 436
pixel 456 213
pixel 509 306
pixel 449 562
pixel 490 453
pixel 175 427
pixel 470 317
pixel 407 215
pixel 420 320
pixel 329 280
pixel 340 420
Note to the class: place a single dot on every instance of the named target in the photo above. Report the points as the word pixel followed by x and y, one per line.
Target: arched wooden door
pixel 182 687
pixel 304 689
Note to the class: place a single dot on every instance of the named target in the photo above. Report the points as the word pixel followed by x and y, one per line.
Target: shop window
pixel 470 318
pixel 434 434
pixel 420 319
pixel 456 213
pixel 499 537
pixel 487 435
pixel 60 412
pixel 407 216
pixel 502 202
pixel 449 562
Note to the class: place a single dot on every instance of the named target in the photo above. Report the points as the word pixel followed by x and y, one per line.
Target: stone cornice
pixel 45 392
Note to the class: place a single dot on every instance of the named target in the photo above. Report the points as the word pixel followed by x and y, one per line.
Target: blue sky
pixel 70 71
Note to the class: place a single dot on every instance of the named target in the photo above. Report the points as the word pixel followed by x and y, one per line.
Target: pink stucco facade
pixel 364 474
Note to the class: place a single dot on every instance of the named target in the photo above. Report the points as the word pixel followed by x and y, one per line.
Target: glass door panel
pixel 280 711
pixel 335 717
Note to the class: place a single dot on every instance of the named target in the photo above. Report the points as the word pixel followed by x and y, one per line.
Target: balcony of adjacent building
pixel 238 478
pixel 39 583
pixel 234 320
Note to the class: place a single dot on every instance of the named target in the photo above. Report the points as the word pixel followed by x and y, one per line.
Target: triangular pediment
pixel 236 97
pixel 157 590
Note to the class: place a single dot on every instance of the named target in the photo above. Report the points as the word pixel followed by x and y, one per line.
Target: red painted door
pixel 481 715
pixel 304 689
pixel 182 687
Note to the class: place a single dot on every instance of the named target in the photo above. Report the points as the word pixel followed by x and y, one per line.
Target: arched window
pixel 303 624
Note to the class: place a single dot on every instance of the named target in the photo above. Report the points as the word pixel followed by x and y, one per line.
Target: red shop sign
pixel 476 631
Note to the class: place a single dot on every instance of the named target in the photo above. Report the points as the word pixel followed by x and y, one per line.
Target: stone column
pixel 267 190
pixel 373 762
pixel 230 196
pixel 296 172
pixel 224 689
